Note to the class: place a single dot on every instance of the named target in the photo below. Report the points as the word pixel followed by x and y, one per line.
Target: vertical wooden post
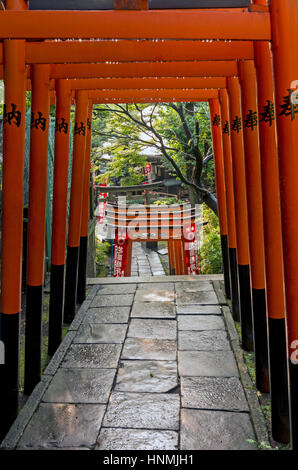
pixel 128 259
pixel 255 219
pixel 12 222
pixel 180 259
pixel 183 259
pixel 176 257
pixel 60 192
pixel 240 212
pixel 76 201
pixel 170 256
pixel 82 271
pixel 40 106
pixel 216 129
pixel 284 14
pixel 273 245
pixel 182 262
pixel 173 258
pixel 229 183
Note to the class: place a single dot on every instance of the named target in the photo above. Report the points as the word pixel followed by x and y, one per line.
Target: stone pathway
pixel 145 262
pixel 145 365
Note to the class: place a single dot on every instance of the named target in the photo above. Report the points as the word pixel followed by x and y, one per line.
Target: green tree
pixel 180 132
pixel 210 257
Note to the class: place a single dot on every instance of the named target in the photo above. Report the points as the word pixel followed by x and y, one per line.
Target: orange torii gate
pixel 133 51
pixel 101 96
pixel 245 129
pixel 176 224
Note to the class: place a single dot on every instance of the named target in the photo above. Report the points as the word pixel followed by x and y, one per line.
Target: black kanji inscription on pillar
pixel 288 108
pixel 226 128
pixel 216 120
pixel 61 126
pixel 251 120
pixel 13 116
pixel 237 125
pixel 268 115
pixel 81 130
pixel 38 123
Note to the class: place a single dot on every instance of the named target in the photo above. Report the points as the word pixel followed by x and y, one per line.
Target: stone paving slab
pixel 92 356
pixel 123 382
pixel 101 333
pixel 112 300
pixel 199 310
pixel 143 410
pixel 146 348
pixel 194 286
pixel 154 279
pixel 213 393
pixel 145 261
pixel 78 426
pixel 153 310
pixel 137 439
pixel 153 328
pixel 107 315
pixel 207 363
pixel 216 430
pixel 156 266
pixel 154 295
pixel 69 386
pixel 164 286
pixel 200 322
pixel 147 376
pixel 203 341
pixel 115 289
pixel 203 298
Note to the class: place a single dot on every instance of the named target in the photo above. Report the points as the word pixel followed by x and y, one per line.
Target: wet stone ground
pixel 145 261
pixel 148 366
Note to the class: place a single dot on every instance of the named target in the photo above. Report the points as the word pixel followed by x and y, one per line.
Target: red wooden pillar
pixel 240 212
pixel 82 272
pixel 40 106
pixel 128 258
pixel 76 201
pixel 180 257
pixel 273 244
pixel 59 219
pixel 255 219
pixel 216 129
pixel 229 183
pixel 12 221
pixel 284 17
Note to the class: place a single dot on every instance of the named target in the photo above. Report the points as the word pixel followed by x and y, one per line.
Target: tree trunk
pixel 194 197
pixel 211 202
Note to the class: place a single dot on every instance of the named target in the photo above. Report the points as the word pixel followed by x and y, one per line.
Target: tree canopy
pixel 179 132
